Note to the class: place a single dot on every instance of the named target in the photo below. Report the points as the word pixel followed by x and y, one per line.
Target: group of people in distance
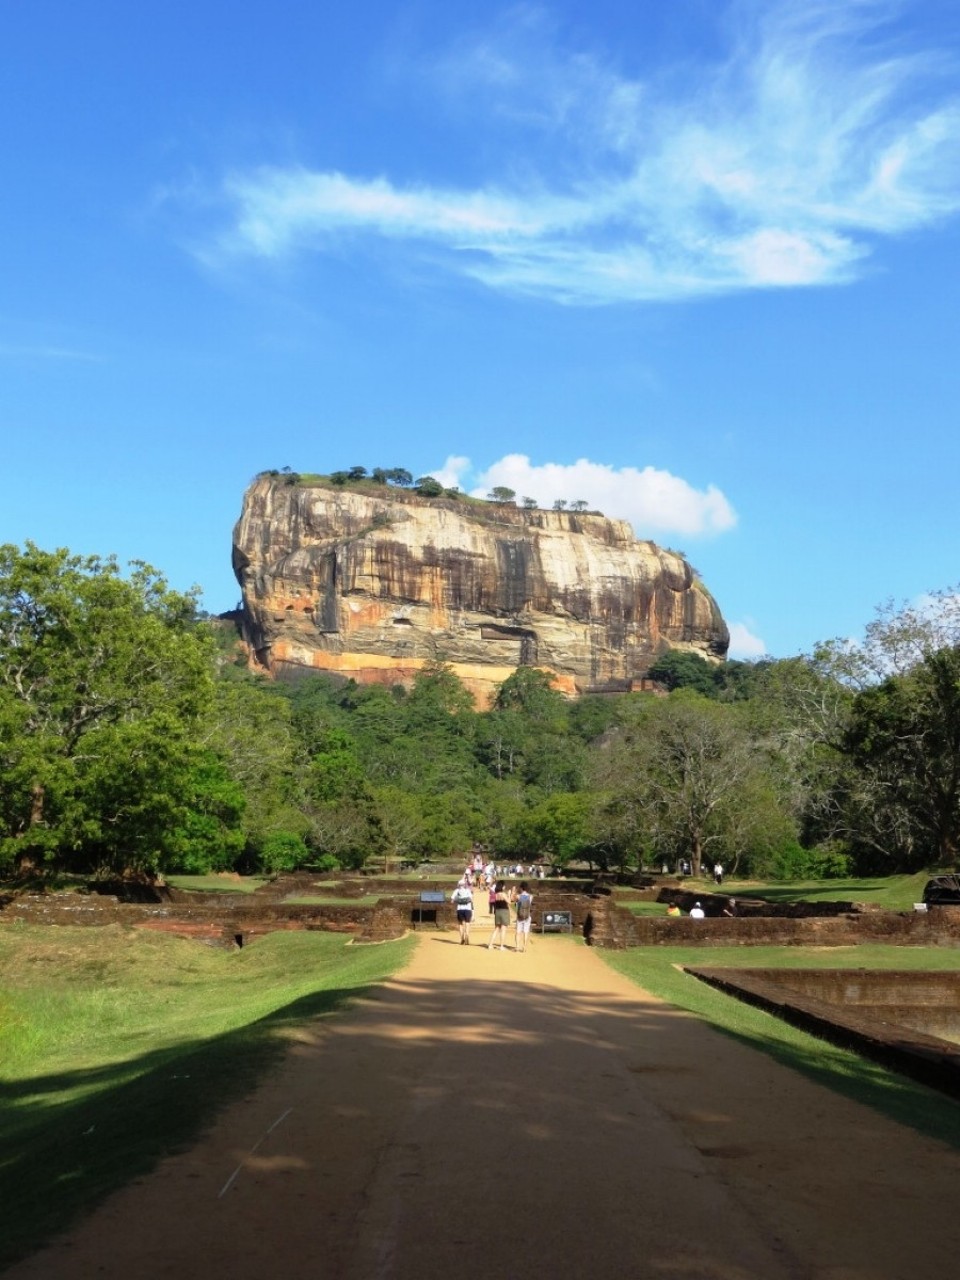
pixel 684 868
pixel 697 912
pixel 502 899
pixel 480 874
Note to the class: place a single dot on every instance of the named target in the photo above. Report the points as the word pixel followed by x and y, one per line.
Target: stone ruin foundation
pixel 908 1020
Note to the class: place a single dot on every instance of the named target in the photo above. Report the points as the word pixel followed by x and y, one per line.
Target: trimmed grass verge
pixel 117 1046
pixel 657 971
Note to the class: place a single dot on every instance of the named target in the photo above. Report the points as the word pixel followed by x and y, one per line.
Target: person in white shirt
pixel 462 899
pixel 697 912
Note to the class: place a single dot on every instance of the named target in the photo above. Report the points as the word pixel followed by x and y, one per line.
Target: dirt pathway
pixel 494 1113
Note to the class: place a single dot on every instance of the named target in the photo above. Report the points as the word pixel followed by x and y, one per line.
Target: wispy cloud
pixel 655 502
pixel 28 351
pixel 744 644
pixel 778 165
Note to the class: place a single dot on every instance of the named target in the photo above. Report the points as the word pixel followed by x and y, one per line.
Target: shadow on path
pixel 496 1112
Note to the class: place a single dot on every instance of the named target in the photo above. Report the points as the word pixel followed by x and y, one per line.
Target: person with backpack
pixel 462 899
pixel 524 915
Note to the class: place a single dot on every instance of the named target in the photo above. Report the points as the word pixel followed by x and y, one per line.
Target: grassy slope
pixel 656 969
pixel 117 1046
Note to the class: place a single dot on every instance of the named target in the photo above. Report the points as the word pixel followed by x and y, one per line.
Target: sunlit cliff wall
pixel 374 584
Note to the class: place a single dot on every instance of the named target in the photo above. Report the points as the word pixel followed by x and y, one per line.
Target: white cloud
pixel 744 644
pixel 451 473
pixel 654 501
pixel 776 166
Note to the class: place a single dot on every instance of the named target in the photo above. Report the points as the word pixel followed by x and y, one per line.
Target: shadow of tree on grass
pixel 60 1158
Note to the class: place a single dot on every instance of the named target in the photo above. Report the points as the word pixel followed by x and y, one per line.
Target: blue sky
pixel 696 263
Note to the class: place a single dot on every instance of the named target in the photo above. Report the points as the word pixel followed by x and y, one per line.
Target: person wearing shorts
pixel 524 906
pixel 501 915
pixel 462 899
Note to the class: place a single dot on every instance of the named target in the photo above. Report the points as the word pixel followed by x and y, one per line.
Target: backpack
pixel 523 907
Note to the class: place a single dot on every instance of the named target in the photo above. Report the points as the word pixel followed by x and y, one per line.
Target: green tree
pixel 209 835
pixel 401 820
pixel 502 738
pixel 560 825
pixel 439 699
pixel 501 495
pixel 685 772
pixel 680 669
pixel 527 733
pixel 530 691
pixel 104 682
pixel 250 726
pixel 283 851
pixel 895 641
pixel 593 715
pixel 903 738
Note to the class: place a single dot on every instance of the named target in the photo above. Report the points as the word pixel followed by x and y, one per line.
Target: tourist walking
pixel 501 915
pixel 718 873
pixel 524 915
pixel 462 899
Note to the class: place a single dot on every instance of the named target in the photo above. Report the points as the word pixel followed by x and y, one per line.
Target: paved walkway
pixel 495 1114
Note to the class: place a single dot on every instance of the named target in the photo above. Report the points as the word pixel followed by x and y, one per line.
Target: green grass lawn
pixel 657 970
pixel 893 893
pixel 217 884
pixel 117 1045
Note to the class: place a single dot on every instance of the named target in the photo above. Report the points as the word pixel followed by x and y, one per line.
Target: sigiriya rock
pixel 374 581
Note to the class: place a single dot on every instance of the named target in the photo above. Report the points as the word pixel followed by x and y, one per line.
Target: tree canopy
pixel 131 741
pixel 104 680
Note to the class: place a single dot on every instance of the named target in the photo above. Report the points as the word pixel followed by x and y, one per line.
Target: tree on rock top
pixel 501 495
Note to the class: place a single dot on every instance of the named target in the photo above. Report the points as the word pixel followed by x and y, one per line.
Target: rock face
pixel 375 583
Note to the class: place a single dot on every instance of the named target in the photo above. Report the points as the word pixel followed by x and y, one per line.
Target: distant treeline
pixel 134 740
